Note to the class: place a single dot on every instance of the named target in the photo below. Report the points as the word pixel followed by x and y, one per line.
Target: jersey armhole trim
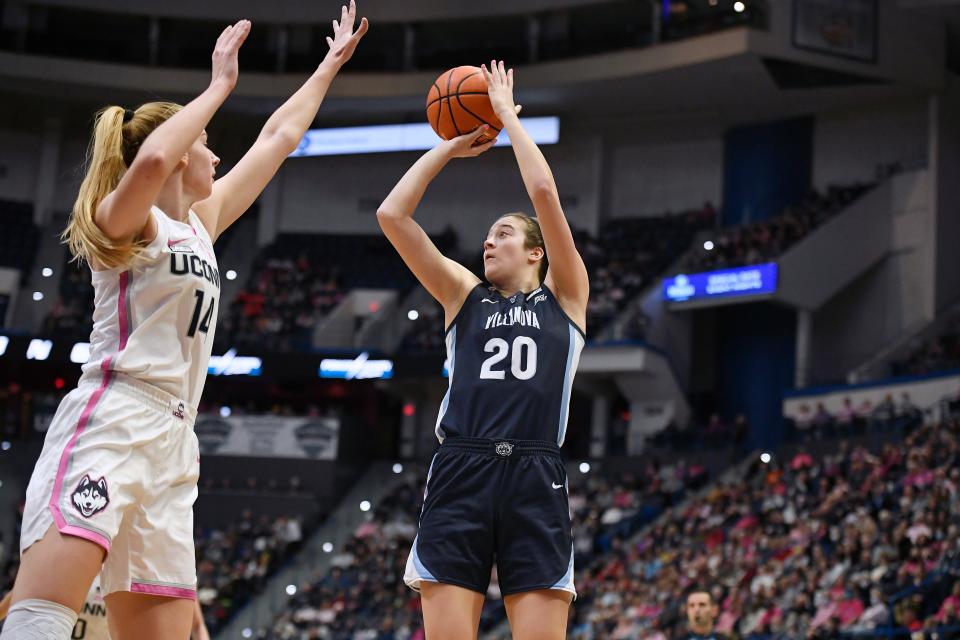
pixel 197 221
pixel 153 245
pixel 462 307
pixel 565 315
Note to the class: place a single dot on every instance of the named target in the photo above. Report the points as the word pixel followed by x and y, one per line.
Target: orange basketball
pixel 458 103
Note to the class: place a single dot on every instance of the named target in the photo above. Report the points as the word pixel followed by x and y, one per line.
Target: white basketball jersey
pixel 92 619
pixel 155 321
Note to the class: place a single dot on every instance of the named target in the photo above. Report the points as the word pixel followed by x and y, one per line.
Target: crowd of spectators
pixel 234 562
pixel 629 254
pixel 281 304
pixel 815 422
pixel 713 434
pixel 854 541
pixel 300 278
pixel 767 239
pixel 363 596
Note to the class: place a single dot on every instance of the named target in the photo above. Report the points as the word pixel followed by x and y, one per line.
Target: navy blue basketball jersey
pixel 511 363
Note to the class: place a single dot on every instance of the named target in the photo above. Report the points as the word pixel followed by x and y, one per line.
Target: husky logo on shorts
pixel 178 412
pixel 91 497
pixel 504 449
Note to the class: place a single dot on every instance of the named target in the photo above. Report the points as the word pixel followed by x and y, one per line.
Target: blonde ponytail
pixel 116 140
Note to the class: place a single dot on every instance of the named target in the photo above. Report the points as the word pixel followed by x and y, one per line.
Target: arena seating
pixel 806 547
pixel 299 278
pixel 234 563
pixel 764 241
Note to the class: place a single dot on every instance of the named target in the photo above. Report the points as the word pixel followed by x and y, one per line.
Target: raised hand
pixel 225 65
pixel 344 41
pixel 500 89
pixel 466 146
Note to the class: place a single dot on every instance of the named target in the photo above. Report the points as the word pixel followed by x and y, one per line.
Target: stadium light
pixel 230 364
pixel 80 353
pixel 404 137
pixel 360 368
pixel 39 349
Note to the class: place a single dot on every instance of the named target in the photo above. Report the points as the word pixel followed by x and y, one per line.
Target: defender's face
pixel 201 168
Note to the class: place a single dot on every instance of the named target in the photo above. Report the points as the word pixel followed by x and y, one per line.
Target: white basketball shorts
pixel 119 467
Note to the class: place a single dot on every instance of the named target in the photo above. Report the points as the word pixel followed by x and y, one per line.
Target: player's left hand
pixel 500 88
pixel 469 144
pixel 344 41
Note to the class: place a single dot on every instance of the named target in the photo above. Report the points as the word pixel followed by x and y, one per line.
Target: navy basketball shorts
pixel 495 501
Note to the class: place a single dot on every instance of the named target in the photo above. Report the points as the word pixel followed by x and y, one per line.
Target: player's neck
pixel 524 284
pixel 173 201
pixel 701 631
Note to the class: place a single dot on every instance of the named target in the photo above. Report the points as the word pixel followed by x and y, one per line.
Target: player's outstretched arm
pixel 447 281
pixel 124 213
pixel 236 191
pixel 567 274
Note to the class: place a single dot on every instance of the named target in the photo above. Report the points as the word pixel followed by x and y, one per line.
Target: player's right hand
pixel 226 68
pixel 466 146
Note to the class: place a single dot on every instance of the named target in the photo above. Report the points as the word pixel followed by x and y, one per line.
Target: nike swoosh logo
pixel 171 243
pixel 490 301
pixel 555 485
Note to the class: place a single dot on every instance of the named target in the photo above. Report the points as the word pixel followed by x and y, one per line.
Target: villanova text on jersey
pixel 511 362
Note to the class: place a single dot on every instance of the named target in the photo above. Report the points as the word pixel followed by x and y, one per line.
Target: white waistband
pixel 165 403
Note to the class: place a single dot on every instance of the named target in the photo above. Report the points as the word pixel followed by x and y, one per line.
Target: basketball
pixel 458 103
